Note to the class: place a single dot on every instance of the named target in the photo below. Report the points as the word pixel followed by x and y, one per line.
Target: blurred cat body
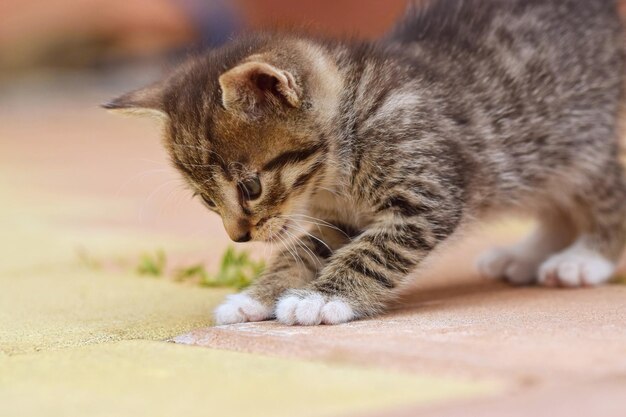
pixel 365 157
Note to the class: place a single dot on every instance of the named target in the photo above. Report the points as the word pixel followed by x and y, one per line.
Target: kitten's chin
pixel 278 235
pixel 275 230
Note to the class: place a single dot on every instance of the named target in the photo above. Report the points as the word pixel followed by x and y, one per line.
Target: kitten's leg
pixel 363 276
pixel 592 258
pixel 519 263
pixel 293 267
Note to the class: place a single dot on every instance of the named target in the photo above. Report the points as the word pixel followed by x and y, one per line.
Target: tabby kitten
pixel 365 157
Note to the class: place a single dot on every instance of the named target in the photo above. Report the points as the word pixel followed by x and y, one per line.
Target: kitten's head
pixel 244 125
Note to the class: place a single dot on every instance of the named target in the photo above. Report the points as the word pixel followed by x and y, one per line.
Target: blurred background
pixel 59 59
pixel 38 35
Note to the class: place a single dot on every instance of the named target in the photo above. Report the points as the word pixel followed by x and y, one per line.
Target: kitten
pixel 366 157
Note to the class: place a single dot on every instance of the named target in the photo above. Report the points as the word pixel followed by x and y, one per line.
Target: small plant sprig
pixel 236 270
pixel 152 264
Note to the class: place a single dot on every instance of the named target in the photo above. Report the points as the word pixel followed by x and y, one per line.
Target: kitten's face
pixel 258 178
pixel 243 130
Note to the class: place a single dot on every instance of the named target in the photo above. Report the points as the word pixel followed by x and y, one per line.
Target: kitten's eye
pixel 250 188
pixel 208 201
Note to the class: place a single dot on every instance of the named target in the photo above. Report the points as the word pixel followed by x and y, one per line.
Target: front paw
pixel 309 308
pixel 241 308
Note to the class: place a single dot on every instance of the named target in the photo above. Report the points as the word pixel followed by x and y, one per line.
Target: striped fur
pixel 381 151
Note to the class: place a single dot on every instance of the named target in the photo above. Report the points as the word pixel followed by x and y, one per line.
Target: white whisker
pixel 313 236
pixel 303 246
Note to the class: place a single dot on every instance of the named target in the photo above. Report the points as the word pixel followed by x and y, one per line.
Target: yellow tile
pixel 139 378
pixel 55 309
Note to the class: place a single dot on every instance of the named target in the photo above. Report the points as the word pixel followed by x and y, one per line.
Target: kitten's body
pixel 468 108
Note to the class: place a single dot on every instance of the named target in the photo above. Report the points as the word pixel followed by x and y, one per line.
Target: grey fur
pixel 466 109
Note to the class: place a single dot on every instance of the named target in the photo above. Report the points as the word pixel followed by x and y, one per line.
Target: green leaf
pixel 192 272
pixel 236 270
pixel 152 264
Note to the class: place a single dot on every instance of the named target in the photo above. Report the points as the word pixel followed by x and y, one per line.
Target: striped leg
pixel 362 277
pixel 592 258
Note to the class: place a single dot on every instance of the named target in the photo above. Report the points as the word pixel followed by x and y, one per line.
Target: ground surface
pixel 84 194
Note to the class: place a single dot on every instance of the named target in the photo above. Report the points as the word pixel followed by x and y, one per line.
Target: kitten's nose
pixel 239 230
pixel 243 238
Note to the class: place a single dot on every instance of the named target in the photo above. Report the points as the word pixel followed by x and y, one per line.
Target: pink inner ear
pixel 265 82
pixel 252 81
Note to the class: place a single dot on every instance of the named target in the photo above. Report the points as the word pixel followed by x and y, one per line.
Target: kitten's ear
pixel 251 86
pixel 144 102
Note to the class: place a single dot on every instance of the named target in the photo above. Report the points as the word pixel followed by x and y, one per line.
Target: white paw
pixel 576 267
pixel 241 308
pixel 503 263
pixel 312 308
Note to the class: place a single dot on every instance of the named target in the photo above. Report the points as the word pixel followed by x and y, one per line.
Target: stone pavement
pixel 84 194
pixel 553 352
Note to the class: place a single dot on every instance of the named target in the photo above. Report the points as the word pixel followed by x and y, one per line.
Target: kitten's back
pixel 465 21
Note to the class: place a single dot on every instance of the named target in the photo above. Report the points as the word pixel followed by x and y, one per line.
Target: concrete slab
pixel 138 378
pixel 69 308
pixel 453 322
pixel 603 397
